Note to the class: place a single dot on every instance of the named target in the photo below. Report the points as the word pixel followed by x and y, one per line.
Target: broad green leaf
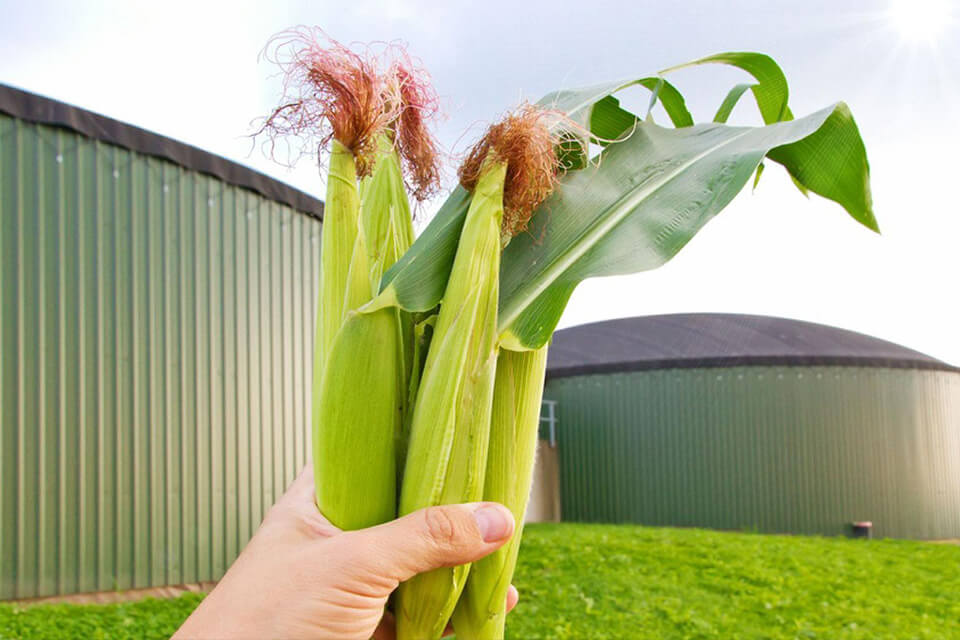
pixel 592 107
pixel 671 99
pixel 634 211
pixel 578 103
pixel 599 112
pixel 771 91
pixel 581 105
pixel 653 190
pixel 733 97
pixel 832 162
pixel 609 120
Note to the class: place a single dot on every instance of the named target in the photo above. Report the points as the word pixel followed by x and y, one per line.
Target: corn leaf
pixel 599 112
pixel 416 282
pixel 771 91
pixel 636 210
pixel 588 106
pixel 638 206
pixel 832 162
pixel 733 97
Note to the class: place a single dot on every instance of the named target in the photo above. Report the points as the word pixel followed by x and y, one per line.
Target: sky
pixel 192 71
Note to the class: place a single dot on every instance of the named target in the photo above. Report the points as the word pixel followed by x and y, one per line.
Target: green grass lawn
pixel 605 581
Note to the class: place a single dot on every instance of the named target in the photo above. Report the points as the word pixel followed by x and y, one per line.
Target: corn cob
pixel 359 439
pixel 363 392
pixel 337 261
pixel 526 140
pixel 353 433
pixel 362 358
pixel 388 228
pixel 481 611
pixel 446 458
pixel 509 172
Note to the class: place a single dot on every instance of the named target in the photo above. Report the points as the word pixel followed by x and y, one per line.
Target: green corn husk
pixel 481 611
pixel 385 213
pixel 337 241
pixel 387 224
pixel 360 399
pixel 446 459
pixel 363 392
pixel 422 335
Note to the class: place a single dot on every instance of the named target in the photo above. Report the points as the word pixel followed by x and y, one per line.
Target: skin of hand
pixel 301 577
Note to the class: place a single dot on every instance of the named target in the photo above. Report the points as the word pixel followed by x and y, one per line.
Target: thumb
pixel 434 537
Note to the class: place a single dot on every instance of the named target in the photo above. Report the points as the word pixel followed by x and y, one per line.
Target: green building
pixel 757 423
pixel 156 335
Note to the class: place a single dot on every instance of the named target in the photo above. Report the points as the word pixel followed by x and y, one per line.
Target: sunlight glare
pixel 922 21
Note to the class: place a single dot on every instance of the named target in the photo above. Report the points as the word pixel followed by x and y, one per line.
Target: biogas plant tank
pixel 754 423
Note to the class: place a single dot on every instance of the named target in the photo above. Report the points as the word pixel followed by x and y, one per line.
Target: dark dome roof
pixel 688 340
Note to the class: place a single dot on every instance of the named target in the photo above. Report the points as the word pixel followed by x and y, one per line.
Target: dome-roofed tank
pixel 750 422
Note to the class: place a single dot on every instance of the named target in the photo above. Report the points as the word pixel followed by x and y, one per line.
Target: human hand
pixel 301 577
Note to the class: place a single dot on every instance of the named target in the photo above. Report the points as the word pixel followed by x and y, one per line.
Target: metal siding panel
pixel 242 394
pixel 9 349
pixel 229 359
pixel 254 314
pixel 156 422
pixel 118 194
pixel 297 390
pixel 279 339
pixel 264 368
pixel 216 451
pixel 48 198
pixel 306 338
pixel 186 186
pixel 86 181
pixel 28 228
pixel 203 381
pixel 286 354
pixel 66 578
pixel 89 292
pixel 140 369
pixel 172 399
pixel 267 351
pixel 276 351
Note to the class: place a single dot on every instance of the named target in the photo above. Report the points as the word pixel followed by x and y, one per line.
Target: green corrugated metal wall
pixel 788 449
pixel 156 335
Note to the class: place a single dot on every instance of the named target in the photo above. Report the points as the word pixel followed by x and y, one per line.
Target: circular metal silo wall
pixel 804 449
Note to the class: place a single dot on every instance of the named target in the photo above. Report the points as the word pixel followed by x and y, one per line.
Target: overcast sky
pixel 190 70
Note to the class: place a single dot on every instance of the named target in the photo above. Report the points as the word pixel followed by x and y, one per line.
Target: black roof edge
pixel 41 110
pixel 748 361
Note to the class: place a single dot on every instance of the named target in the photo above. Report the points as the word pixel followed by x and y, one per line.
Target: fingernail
pixel 494 522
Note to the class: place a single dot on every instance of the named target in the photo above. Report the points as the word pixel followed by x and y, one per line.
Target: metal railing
pixel 548 414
